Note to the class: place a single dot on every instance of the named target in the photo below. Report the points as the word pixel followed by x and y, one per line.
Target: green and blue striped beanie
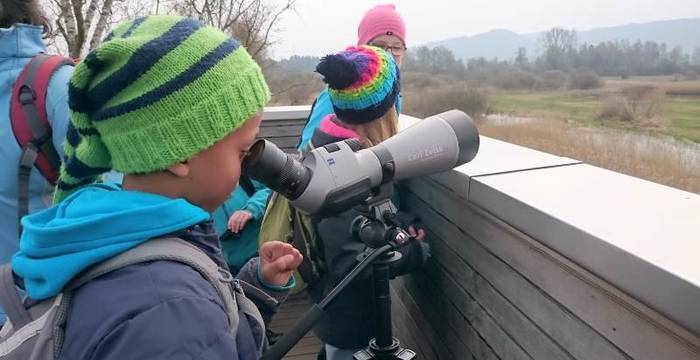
pixel 159 90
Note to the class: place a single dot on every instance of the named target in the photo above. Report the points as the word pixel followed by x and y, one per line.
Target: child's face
pixel 392 44
pixel 214 172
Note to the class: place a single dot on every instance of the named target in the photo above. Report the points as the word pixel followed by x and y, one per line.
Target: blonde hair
pixel 374 132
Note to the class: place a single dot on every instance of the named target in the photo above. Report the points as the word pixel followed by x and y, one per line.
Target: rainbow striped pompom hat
pixel 363 83
pixel 157 91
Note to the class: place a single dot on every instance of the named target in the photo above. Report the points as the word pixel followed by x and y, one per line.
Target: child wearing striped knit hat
pixel 174 105
pixel 363 84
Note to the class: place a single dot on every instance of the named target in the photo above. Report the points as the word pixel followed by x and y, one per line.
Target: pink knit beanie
pixel 381 20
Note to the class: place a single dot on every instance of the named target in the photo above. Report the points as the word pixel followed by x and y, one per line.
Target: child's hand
pixel 277 262
pixel 418 234
pixel 237 221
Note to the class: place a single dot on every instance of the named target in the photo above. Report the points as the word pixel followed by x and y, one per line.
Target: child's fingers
pixel 285 257
pixel 274 249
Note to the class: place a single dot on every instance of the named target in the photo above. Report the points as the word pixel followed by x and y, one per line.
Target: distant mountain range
pixel 504 44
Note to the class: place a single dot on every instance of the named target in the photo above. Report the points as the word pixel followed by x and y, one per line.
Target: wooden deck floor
pixel 292 311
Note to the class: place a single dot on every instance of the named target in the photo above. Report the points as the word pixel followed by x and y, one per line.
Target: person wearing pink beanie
pixel 381 26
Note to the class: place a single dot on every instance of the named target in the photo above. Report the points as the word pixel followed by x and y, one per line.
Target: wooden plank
pixel 405 330
pixel 535 342
pixel 443 339
pixel 447 321
pixel 468 314
pixel 289 314
pixel 283 122
pixel 626 324
pixel 301 357
pixel 304 349
pixel 278 131
pixel 422 337
pixel 286 112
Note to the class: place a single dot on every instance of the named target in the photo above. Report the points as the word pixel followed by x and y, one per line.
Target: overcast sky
pixel 323 26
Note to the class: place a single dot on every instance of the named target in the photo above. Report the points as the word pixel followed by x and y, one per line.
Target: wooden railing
pixel 536 256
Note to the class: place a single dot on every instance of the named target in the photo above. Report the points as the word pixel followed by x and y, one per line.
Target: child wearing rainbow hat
pixel 364 83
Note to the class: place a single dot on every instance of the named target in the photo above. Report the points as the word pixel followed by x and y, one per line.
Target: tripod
pixel 379 229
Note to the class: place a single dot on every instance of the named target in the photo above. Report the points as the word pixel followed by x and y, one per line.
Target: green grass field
pixel 679 116
pixel 684 115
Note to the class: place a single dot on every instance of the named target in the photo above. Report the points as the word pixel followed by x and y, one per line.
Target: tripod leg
pixel 384 346
pixel 382 304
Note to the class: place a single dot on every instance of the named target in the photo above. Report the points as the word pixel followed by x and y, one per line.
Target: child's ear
pixel 180 169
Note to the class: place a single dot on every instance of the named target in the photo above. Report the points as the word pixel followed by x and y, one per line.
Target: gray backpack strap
pixel 248 307
pixel 170 249
pixel 10 300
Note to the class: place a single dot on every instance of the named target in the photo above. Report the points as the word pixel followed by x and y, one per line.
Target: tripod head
pixel 378 227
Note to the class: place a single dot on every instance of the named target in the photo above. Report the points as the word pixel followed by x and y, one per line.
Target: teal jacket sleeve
pixel 322 107
pixel 258 202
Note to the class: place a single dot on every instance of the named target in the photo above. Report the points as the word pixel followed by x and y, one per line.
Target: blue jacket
pixel 321 108
pixel 18 45
pixel 239 249
pixel 156 310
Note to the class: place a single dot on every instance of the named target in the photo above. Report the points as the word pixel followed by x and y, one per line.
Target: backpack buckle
pixel 26 95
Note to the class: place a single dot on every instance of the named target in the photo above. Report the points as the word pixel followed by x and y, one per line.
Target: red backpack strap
pixel 30 123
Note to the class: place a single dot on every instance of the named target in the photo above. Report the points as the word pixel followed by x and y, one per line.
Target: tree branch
pixel 89 16
pixel 105 15
pixel 70 25
pixel 265 39
pixel 80 26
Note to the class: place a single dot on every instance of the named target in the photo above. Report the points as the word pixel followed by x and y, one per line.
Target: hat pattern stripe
pixel 76 168
pixel 64 186
pixel 359 116
pixel 133 27
pixel 142 60
pixel 118 31
pixel 178 83
pixel 109 37
pixel 368 96
pixel 78 99
pixel 92 61
pixel 73 135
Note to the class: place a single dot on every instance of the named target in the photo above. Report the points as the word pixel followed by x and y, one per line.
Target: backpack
pixel 285 223
pixel 34 331
pixel 31 127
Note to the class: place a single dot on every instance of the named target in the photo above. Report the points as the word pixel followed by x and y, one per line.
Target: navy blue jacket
pixel 159 310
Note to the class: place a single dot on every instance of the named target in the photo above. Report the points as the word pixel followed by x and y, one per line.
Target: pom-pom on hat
pixel 363 83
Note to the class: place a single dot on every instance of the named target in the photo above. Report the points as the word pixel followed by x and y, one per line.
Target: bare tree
pixel 559 48
pixel 81 23
pixel 252 22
